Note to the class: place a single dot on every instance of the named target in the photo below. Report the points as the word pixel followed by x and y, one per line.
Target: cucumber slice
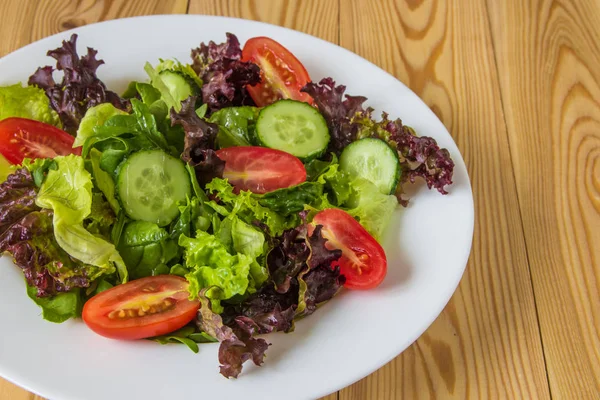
pixel 178 85
pixel 294 127
pixel 151 184
pixel 374 160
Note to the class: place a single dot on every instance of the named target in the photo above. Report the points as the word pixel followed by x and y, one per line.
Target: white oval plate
pixel 356 333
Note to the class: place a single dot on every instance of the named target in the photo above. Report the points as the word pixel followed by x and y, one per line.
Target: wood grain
pixel 550 86
pixel 486 343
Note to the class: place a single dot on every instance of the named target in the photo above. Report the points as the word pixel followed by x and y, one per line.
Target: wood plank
pixel 32 20
pixel 550 84
pixel 315 17
pixel 486 343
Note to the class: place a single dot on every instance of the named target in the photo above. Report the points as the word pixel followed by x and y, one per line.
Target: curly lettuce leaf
pixel 247 207
pixel 213 267
pixel 250 241
pixel 80 88
pixel 27 102
pixel 238 343
pixel 27 233
pixel 193 216
pixel 359 197
pixel 67 191
pixel 224 75
pixel 420 156
pixel 199 142
pixel 101 219
pixel 337 110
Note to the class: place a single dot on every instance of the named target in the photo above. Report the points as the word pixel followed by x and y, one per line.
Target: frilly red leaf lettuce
pixel 238 343
pixel 199 142
pixel 26 232
pixel 349 121
pixel 337 110
pixel 302 263
pixel 288 258
pixel 80 88
pixel 224 75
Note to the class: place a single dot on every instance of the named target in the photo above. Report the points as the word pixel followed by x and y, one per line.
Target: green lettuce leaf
pixel 60 307
pixel 250 241
pixel 236 125
pixel 101 219
pixel 146 249
pixel 247 207
pixel 192 217
pixel 38 168
pixel 123 134
pixel 103 180
pixel 68 192
pixel 359 197
pixel 95 116
pixel 290 201
pixel 213 267
pixel 27 102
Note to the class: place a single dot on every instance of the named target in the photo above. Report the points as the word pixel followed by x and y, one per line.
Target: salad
pixel 217 201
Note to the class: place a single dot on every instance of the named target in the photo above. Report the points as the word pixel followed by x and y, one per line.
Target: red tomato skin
pixel 282 74
pixel 96 311
pixel 25 138
pixel 345 233
pixel 261 170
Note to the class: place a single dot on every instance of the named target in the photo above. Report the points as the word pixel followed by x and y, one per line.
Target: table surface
pixel 517 83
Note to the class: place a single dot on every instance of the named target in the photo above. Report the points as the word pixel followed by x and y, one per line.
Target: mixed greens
pixel 193 174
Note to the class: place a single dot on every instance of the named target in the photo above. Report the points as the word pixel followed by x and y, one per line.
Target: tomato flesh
pixel 142 308
pixel 363 260
pixel 282 74
pixel 261 170
pixel 25 138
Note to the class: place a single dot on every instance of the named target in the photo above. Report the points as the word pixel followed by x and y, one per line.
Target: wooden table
pixel 517 83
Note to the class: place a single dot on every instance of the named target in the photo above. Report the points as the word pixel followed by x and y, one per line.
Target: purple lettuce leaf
pixel 318 286
pixel 320 255
pixel 199 142
pixel 224 75
pixel 349 121
pixel 269 309
pixel 237 344
pixel 337 110
pixel 26 232
pixel 80 88
pixel 288 258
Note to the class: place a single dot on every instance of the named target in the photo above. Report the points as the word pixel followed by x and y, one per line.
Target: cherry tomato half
pixel 363 260
pixel 25 138
pixel 142 308
pixel 260 169
pixel 282 74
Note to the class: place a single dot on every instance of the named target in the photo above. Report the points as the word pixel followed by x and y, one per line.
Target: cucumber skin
pixel 304 159
pixel 398 172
